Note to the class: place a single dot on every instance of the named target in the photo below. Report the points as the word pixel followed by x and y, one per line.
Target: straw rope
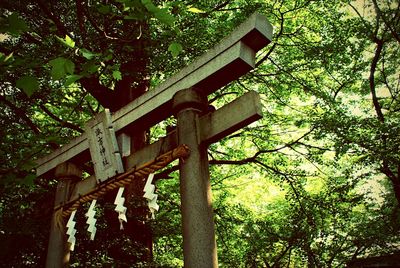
pixel 64 210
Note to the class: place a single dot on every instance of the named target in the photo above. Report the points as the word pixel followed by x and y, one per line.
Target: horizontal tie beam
pixel 243 111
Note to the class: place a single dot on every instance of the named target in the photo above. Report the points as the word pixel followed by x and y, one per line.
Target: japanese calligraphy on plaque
pixel 103 147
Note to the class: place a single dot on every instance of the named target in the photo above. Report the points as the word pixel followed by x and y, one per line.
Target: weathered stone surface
pixel 231 117
pixel 58 250
pixel 199 245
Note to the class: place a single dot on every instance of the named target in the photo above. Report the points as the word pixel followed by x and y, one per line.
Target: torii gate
pixel 184 95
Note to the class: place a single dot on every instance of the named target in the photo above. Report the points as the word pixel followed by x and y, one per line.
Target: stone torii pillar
pixel 197 128
pixel 58 252
pixel 199 245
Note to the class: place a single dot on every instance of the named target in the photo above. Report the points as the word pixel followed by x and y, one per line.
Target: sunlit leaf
pixel 117 75
pixel 195 10
pixel 175 49
pixel 7 58
pixel 68 42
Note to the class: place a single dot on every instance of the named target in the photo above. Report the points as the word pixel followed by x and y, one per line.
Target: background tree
pixel 315 183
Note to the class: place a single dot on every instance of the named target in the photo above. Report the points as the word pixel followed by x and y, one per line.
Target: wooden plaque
pixel 103 147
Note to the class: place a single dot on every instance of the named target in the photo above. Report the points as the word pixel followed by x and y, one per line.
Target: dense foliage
pixel 315 183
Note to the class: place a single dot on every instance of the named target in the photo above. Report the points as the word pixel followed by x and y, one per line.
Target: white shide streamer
pixel 151 197
pixel 71 231
pixel 91 220
pixel 120 208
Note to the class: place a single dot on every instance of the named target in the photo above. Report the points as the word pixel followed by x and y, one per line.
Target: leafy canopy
pixel 315 183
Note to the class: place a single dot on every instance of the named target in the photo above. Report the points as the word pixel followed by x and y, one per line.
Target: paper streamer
pixel 151 197
pixel 91 220
pixel 120 208
pixel 71 231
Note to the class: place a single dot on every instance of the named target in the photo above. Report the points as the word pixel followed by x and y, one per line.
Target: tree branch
pixel 275 43
pixel 21 114
pixel 366 25
pixel 395 180
pixel 374 63
pixel 222 5
pixel 103 31
pixel 391 29
pixel 165 173
pixel 60 26
pixel 80 14
pixel 59 120
pixel 101 93
pixel 282 254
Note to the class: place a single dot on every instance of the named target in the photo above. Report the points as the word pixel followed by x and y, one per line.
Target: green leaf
pixel 135 15
pixel 28 165
pixel 161 14
pixel 69 66
pixel 175 49
pixel 60 67
pixel 6 59
pixel 195 10
pixel 68 42
pixel 150 6
pixel 117 75
pixel 29 180
pixel 129 17
pixel 88 54
pixel 108 56
pixel 28 84
pixel 164 17
pixel 104 9
pixel 89 68
pixel 128 3
pixel 16 25
pixel 72 79
pixel 57 70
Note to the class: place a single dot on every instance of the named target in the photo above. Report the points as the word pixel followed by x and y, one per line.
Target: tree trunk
pixel 395 180
pixel 135 82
